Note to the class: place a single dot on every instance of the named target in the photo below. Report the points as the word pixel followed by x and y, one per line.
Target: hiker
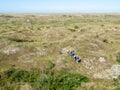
pixel 71 52
pixel 77 58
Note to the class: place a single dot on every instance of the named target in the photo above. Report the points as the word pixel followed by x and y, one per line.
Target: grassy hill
pixel 36 45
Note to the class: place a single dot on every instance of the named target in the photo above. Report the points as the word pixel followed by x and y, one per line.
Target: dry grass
pixel 31 40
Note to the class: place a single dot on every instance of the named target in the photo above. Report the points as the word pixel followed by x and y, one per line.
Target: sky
pixel 59 6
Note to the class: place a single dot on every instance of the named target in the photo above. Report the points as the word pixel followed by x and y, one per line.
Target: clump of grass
pixel 72 30
pixel 50 66
pixel 118 57
pixel 105 40
pixel 76 27
pixel 117 83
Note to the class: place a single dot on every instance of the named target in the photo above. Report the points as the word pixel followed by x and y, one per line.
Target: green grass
pixel 117 83
pixel 42 80
pixel 118 57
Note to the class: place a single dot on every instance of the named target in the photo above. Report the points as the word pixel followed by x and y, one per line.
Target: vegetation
pixel 105 40
pixel 52 80
pixel 72 30
pixel 117 83
pixel 37 40
pixel 118 57
pixel 20 40
pixel 76 27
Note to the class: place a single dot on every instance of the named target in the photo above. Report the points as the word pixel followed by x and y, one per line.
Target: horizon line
pixel 59 12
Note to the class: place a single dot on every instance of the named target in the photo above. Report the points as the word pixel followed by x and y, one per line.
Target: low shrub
pixel 56 80
pixel 117 83
pixel 118 57
pixel 105 40
pixel 76 27
pixel 65 81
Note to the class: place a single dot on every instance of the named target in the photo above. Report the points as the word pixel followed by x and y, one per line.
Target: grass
pixel 43 40
pixel 20 40
pixel 117 83
pixel 72 30
pixel 118 57
pixel 105 40
pixel 76 27
pixel 50 80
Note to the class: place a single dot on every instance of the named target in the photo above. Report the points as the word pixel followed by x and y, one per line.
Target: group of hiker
pixel 75 57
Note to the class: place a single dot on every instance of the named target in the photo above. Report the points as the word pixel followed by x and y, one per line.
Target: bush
pixel 58 80
pixel 76 27
pixel 117 83
pixel 105 40
pixel 21 76
pixel 118 57
pixel 65 81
